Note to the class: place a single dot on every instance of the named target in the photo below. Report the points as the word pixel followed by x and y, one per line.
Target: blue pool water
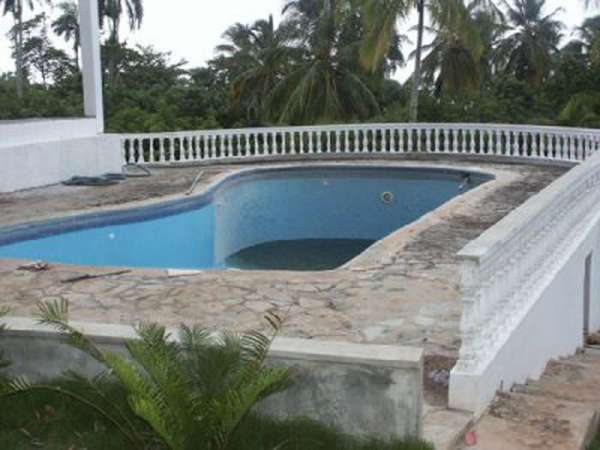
pixel 308 218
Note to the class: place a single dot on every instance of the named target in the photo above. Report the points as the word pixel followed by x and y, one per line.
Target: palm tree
pixel 325 83
pixel 3 361
pixel 592 3
pixel 256 56
pixel 194 393
pixel 588 43
pixel 67 25
pixel 112 10
pixel 453 61
pixel 381 19
pixel 528 50
pixel 15 8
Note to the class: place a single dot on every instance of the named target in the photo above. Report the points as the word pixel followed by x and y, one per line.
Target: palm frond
pixel 56 315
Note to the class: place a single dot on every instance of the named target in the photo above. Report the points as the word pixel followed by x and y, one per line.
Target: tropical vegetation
pixel 325 61
pixel 195 392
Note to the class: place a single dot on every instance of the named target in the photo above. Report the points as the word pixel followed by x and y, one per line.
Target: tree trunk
pixel 416 87
pixel 19 47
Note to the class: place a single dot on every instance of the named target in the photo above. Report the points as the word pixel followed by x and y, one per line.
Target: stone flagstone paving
pixel 403 290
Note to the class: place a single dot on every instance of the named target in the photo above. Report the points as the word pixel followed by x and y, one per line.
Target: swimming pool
pixel 294 218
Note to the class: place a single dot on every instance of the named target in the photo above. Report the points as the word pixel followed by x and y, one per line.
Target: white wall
pixel 542 316
pixel 29 131
pixel 37 153
pixel 552 328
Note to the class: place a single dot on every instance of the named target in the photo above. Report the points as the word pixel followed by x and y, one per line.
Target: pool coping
pixel 370 257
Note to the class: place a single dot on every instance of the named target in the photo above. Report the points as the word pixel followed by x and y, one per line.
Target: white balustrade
pixel 517 141
pixel 507 269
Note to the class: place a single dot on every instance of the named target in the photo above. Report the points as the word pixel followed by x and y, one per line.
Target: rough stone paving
pixel 403 290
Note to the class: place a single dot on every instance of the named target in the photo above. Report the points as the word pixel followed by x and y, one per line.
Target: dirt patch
pixel 436 378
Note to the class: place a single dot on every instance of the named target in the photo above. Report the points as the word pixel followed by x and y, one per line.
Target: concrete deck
pixel 403 290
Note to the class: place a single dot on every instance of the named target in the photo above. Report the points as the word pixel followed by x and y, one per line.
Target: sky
pixel 191 29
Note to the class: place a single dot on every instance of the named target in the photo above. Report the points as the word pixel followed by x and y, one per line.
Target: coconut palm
pixel 15 8
pixel 113 10
pixel 325 84
pixel 452 62
pixel 460 57
pixel 381 19
pixel 587 43
pixel 529 48
pixel 67 25
pixel 592 3
pixel 255 58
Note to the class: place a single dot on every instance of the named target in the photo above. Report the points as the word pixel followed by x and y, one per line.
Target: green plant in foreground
pixel 189 394
pixel 3 361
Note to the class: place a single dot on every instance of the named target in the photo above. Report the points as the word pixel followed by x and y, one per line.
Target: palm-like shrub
pixel 3 361
pixel 193 392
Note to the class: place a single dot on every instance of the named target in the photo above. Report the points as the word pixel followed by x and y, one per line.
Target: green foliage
pixel 327 61
pixel 583 110
pixel 193 393
pixel 49 420
pixel 3 361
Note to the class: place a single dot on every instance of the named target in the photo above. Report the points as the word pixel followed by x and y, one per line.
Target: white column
pixel 91 63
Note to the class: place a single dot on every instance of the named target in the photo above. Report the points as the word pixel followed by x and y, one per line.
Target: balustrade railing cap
pixel 366 126
pixel 523 218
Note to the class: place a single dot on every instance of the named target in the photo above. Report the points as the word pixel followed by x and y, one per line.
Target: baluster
pixel 447 140
pixel 553 144
pixel 427 132
pixel 125 153
pixel 270 145
pixel 209 146
pixel 336 147
pixel 161 150
pixel 184 143
pixel 251 144
pixel 542 147
pixel 170 158
pixel 418 133
pixel 409 140
pixel 563 147
pixel 482 139
pixel 195 148
pixel 571 151
pixel 134 150
pixel 470 133
pixel 453 142
pixel 514 149
pixel 401 140
pixel 506 150
pixel 498 143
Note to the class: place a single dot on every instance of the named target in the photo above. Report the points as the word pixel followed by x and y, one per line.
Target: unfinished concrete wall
pixel 360 389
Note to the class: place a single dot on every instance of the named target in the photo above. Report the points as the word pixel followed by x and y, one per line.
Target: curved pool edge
pixel 380 253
